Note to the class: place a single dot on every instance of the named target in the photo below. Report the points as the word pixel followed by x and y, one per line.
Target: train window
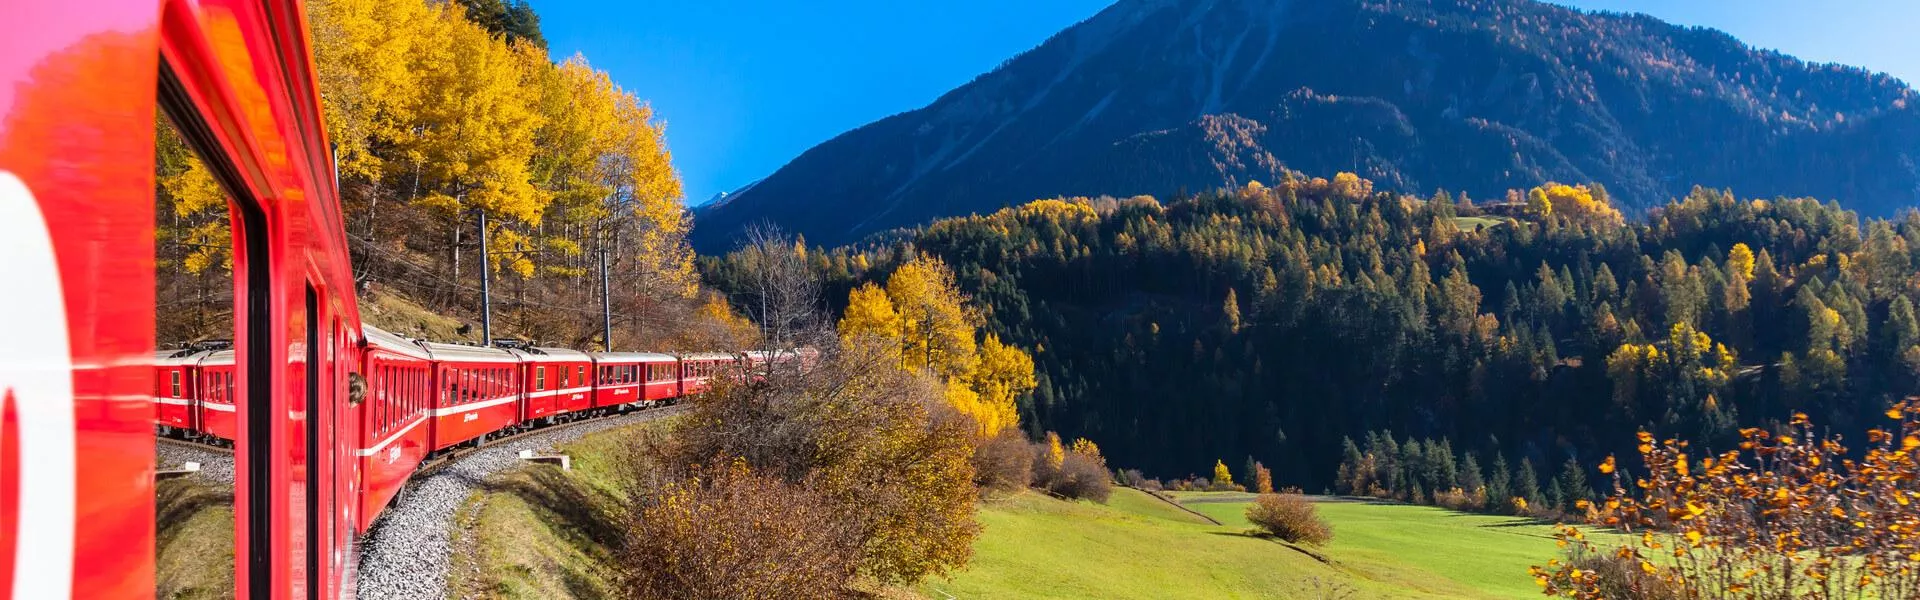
pixel 539 378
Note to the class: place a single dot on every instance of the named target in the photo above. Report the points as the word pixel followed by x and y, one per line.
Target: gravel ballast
pixel 406 553
pixel 216 466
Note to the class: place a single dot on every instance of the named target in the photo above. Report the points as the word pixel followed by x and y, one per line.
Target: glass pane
pixel 194 420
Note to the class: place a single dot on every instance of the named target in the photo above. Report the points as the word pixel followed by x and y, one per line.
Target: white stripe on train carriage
pixel 217 406
pixel 571 390
pixel 173 401
pixel 473 406
pixel 39 374
pixel 366 452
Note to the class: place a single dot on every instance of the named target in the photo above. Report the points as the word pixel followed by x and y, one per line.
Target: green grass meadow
pixel 1137 546
pixel 513 543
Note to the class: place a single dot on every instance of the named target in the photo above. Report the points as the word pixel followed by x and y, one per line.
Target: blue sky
pixel 746 85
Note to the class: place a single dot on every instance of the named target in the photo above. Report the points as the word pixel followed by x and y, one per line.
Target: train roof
pixel 393 342
pixel 801 351
pixel 632 357
pixel 547 354
pixel 178 356
pixel 460 353
pixel 217 357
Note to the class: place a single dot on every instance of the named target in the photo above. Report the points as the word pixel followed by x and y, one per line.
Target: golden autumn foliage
pixel 437 120
pixel 1221 476
pixel 876 443
pixel 1791 514
pixel 1740 260
pixel 1056 454
pixel 922 321
pixel 1578 203
pixel 936 326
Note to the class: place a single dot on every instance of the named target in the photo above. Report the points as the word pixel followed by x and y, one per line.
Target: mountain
pixel 1482 96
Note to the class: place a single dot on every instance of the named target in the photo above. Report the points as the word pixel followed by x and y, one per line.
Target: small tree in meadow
pixel 1290 517
pixel 1262 479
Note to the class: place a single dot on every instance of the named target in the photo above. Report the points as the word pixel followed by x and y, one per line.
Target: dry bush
pixel 1791 514
pixel 1461 500
pixel 1080 478
pixel 727 532
pixel 864 434
pixel 1003 464
pixel 1617 578
pixel 1290 517
pixel 1079 474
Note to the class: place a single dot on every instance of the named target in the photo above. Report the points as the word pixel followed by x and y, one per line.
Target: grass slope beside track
pixel 538 532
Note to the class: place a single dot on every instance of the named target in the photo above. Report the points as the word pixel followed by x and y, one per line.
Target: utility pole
pixel 606 303
pixel 486 286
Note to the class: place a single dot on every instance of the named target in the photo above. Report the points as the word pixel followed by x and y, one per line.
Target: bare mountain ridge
pixel 1480 96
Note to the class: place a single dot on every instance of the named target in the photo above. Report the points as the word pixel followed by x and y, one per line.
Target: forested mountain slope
pixel 1481 96
pixel 1273 322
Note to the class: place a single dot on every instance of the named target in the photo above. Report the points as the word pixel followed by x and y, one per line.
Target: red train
pixel 422 398
pixel 326 418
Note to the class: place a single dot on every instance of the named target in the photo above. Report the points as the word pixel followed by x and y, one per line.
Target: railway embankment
pixel 422 547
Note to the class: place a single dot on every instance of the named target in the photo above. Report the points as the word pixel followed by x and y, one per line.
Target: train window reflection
pixel 194 414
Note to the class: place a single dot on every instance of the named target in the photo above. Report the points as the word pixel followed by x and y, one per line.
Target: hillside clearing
pixel 1139 547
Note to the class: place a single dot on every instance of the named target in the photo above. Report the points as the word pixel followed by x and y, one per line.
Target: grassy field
pixel 1486 554
pixel 514 543
pixel 1140 547
pixel 1477 223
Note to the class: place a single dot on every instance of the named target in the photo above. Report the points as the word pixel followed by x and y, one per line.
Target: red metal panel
pixel 460 423
pixel 76 207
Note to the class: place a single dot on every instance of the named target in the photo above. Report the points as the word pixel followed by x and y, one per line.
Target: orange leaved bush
pixel 1786 515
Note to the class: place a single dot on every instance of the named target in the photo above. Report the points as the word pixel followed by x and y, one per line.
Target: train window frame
pixel 540 378
pixel 174 375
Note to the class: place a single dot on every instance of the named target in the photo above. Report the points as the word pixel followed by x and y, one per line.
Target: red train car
pixel 83 81
pixel 626 379
pixel 557 382
pixel 213 406
pixel 477 393
pixel 698 370
pixel 392 417
pixel 174 379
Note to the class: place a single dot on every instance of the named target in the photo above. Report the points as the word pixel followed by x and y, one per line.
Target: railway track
pixel 406 553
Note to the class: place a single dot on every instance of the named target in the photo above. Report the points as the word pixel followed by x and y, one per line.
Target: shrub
pixel 1079 477
pixel 1290 517
pixel 1461 500
pixel 1788 513
pixel 1623 579
pixel 728 532
pixel 864 434
pixel 1004 463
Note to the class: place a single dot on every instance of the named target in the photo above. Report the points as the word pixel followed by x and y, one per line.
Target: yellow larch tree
pixel 870 314
pixel 936 327
pixel 1003 374
pixel 920 319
